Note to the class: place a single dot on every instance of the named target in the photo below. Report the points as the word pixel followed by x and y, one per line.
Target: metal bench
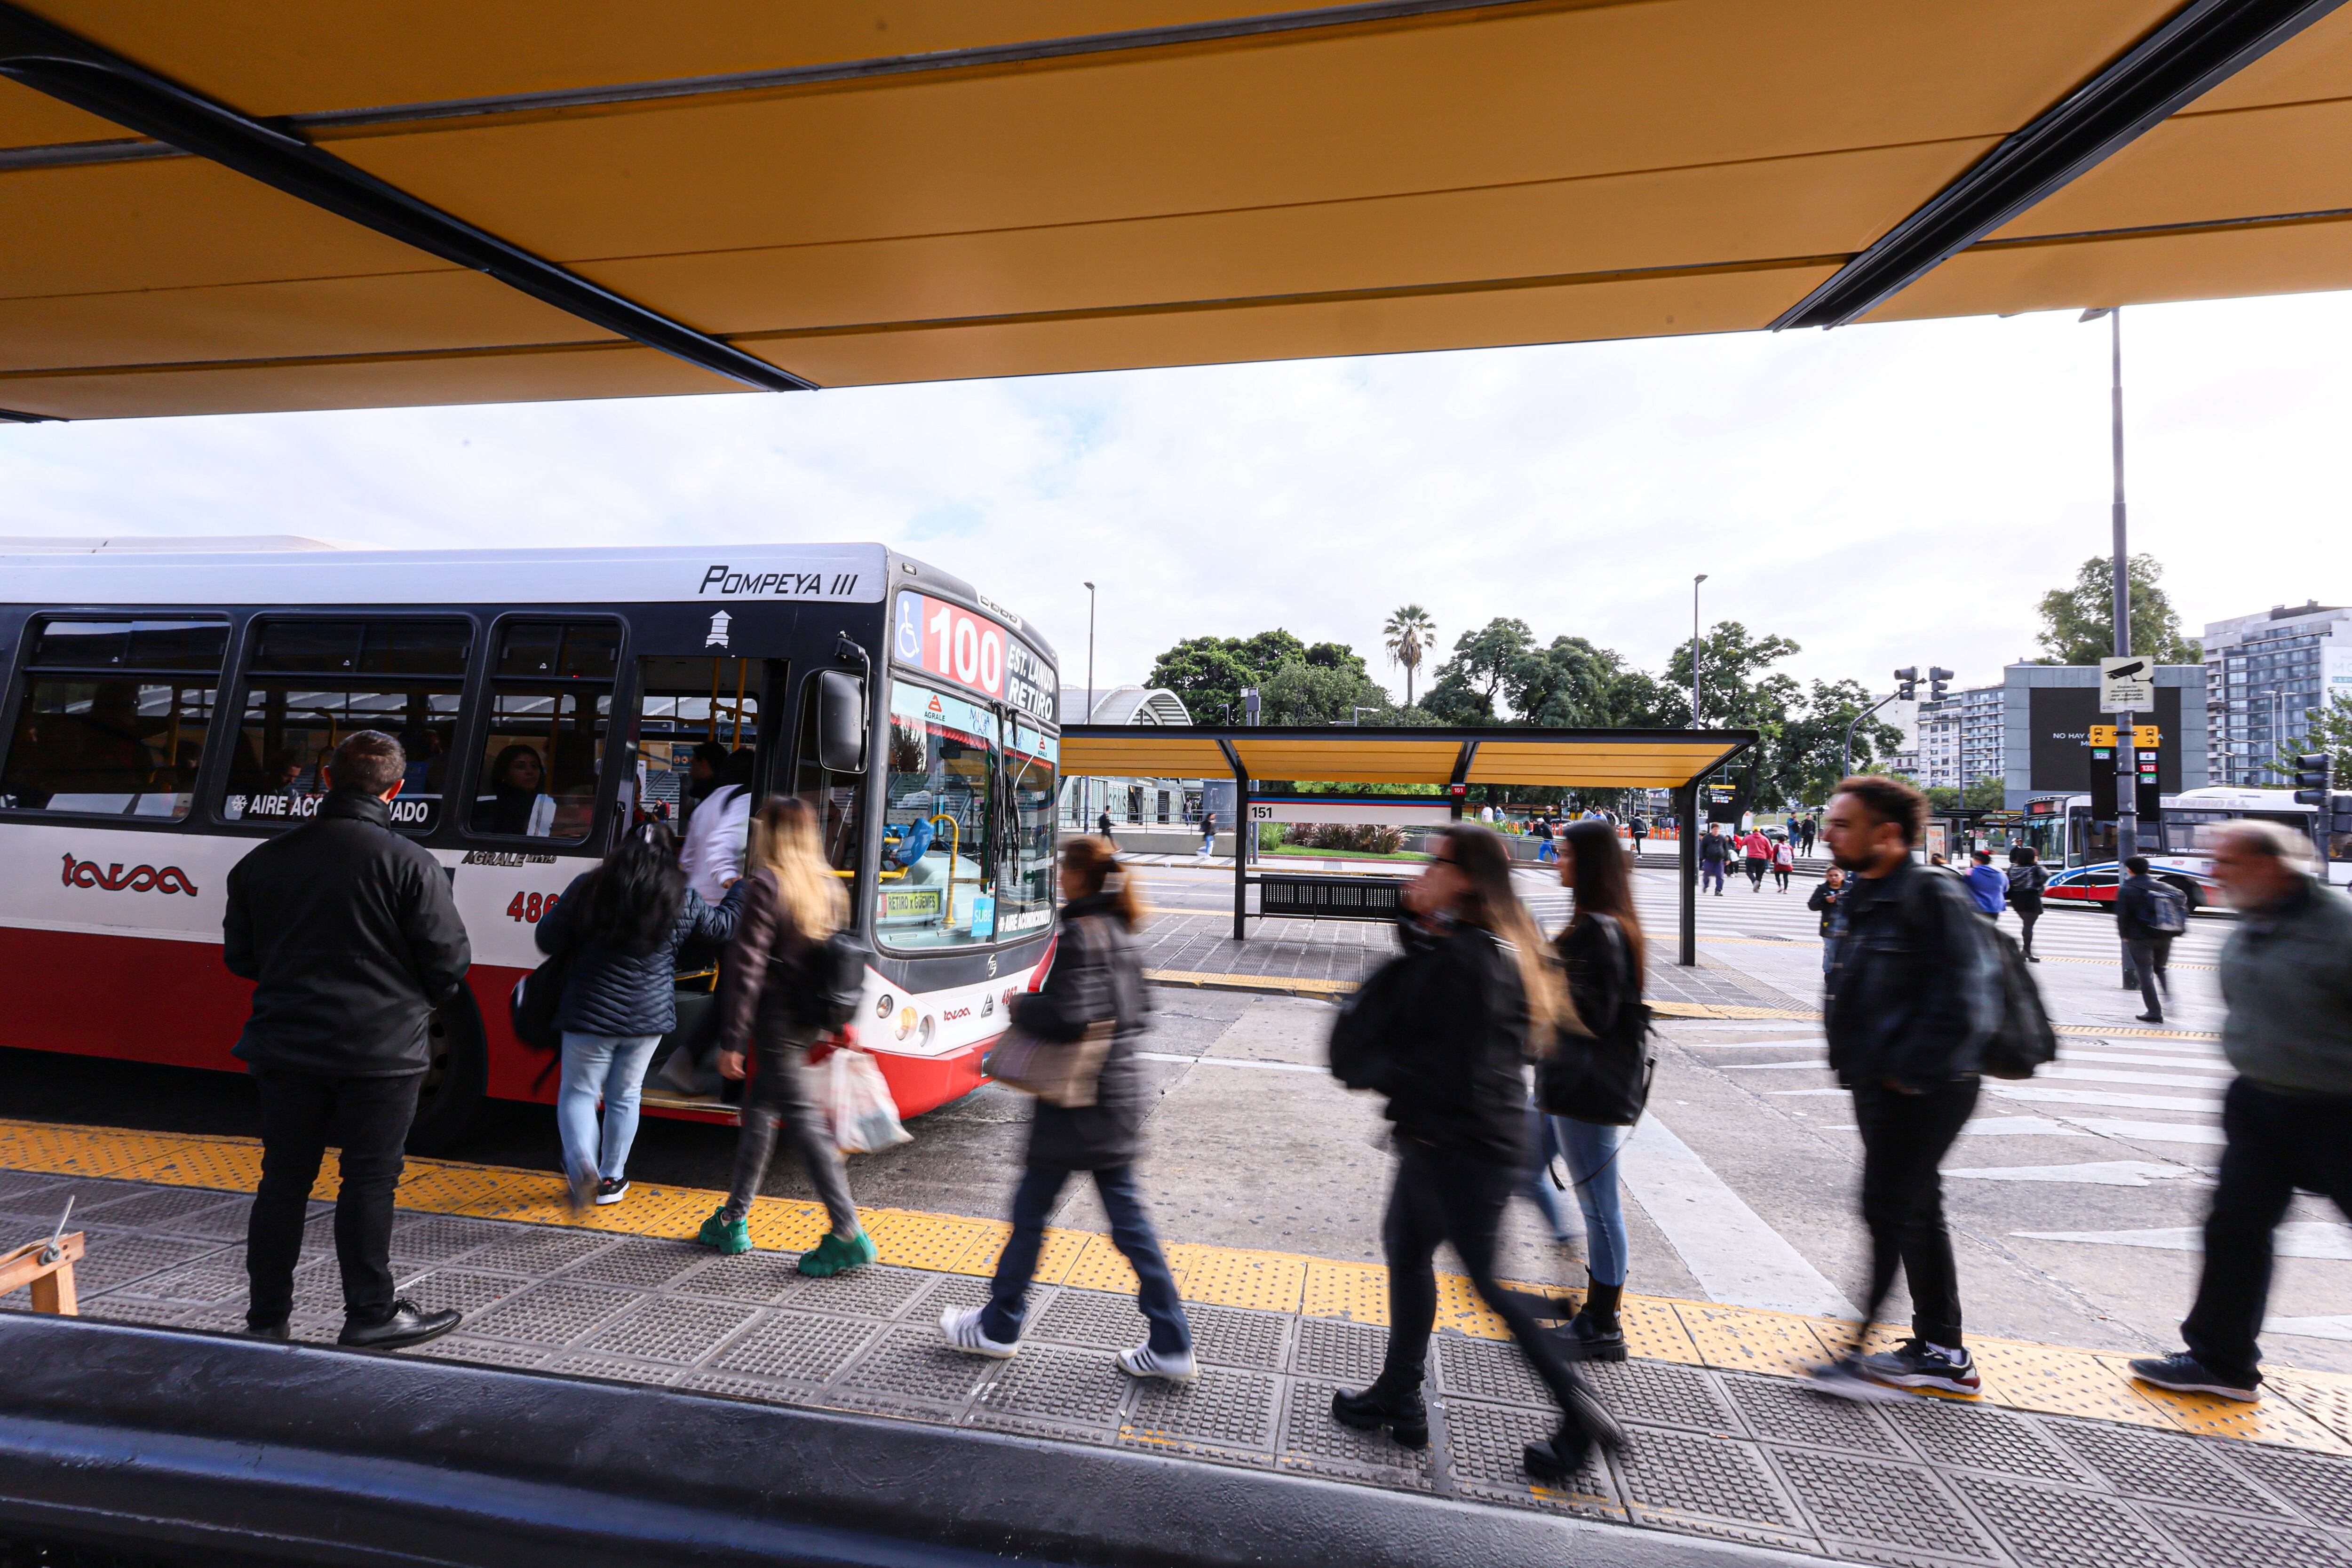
pixel 1329 897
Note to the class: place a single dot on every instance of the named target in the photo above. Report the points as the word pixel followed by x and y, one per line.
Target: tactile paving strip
pixel 1677 1474
pixel 2215 1540
pixel 553 1313
pixel 1087 1318
pixel 2159 1465
pixel 1481 1368
pixel 486 1353
pixel 670 1329
pixel 440 1238
pixel 744 1277
pixel 157 1206
pixel 536 1251
pixel 1670 1396
pixel 117 1260
pixel 467 1291
pixel 914 1363
pixel 797 1345
pixel 1483 1445
pixel 1229 1336
pixel 1872 1501
pixel 614 1367
pixel 872 1292
pixel 1051 1389
pixel 2320 1485
pixel 218 1279
pixel 1980 1438
pixel 1222 1412
pixel 2043 1528
pixel 1785 1412
pixel 641 1261
pixel 1312 1441
pixel 1350 1352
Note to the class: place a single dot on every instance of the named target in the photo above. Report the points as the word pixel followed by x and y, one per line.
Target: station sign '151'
pixel 973 651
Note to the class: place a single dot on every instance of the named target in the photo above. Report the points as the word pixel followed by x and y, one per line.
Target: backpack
pixel 2022 1040
pixel 2164 910
pixel 827 981
pixel 1363 1046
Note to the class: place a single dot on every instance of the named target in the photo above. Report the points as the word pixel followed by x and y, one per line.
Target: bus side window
pixel 113 717
pixel 551 711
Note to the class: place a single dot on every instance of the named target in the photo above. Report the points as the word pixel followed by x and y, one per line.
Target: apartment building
pixel 2264 676
pixel 1960 739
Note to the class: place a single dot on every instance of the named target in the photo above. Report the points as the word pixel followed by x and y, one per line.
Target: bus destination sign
pixel 973 651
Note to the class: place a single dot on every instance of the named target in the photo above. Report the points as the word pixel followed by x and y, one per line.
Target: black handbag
pixel 1363 1048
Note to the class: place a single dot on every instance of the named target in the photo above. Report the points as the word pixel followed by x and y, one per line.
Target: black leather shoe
pixel 1585 1338
pixel 1404 1414
pixel 408 1325
pixel 276 1331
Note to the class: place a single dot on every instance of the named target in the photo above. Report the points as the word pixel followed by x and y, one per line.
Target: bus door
pixel 698 726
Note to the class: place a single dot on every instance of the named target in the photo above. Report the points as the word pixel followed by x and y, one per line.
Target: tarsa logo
pixel 115 879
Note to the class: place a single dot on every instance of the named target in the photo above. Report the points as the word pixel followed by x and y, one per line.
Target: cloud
pixel 1885 495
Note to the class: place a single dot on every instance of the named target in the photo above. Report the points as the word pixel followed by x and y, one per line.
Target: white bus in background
pixel 2081 852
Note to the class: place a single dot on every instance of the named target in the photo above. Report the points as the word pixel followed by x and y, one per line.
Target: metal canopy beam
pixel 2201 45
pixel 49 60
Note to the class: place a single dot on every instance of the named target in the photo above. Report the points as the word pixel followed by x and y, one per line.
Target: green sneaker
pixel 725 1235
pixel 838 1254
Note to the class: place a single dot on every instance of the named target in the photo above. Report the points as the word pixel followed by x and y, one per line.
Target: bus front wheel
pixel 456 1078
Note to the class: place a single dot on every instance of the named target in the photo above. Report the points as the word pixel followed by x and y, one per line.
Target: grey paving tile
pixel 440 1239
pixel 1784 1411
pixel 166 1208
pixel 1231 1336
pixel 1087 1318
pixel 1483 1446
pixel 2220 1540
pixel 1228 1413
pixel 1881 1504
pixel 463 1289
pixel 801 1346
pixel 912 1363
pixel 523 1250
pixel 2144 1462
pixel 1488 1369
pixel 1314 1443
pixel 1661 1393
pixel 2044 1527
pixel 2320 1485
pixel 116 1259
pixel 763 1276
pixel 555 1313
pixel 1980 1438
pixel 672 1329
pixel 876 1290
pixel 1350 1352
pixel 1055 1392
pixel 1671 1475
pixel 619 1369
pixel 643 1262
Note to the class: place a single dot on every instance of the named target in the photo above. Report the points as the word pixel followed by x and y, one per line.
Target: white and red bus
pixel 164 712
pixel 2080 850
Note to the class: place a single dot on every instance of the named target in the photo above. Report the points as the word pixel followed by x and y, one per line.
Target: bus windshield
pixel 938 802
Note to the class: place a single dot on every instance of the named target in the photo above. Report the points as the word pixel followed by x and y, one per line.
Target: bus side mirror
pixel 840 721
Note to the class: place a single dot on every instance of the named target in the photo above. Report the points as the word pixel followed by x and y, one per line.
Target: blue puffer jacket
pixel 610 993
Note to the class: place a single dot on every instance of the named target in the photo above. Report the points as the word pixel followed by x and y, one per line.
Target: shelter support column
pixel 1245 836
pixel 1686 866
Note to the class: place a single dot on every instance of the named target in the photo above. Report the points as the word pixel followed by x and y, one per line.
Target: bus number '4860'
pixel 528 907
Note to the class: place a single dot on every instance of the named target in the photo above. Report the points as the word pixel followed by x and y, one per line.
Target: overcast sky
pixel 1883 495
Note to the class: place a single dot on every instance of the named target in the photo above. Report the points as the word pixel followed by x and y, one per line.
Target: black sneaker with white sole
pixel 612 1190
pixel 2184 1373
pixel 1916 1364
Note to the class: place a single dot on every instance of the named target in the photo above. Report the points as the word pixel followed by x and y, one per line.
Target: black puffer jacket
pixel 348 931
pixel 615 993
pixel 1454 1041
pixel 1914 984
pixel 1599 1074
pixel 1096 975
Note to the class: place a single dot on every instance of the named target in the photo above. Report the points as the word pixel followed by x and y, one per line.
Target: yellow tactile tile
pixel 235 1167
pixel 2326 1397
pixel 912 1239
pixel 59 1150
pixel 785 1225
pixel 1741 1339
pixel 1236 1277
pixel 2268 1421
pixel 2060 1381
pixel 1458 1307
pixel 1355 1291
pixel 1654 1331
pixel 1099 1267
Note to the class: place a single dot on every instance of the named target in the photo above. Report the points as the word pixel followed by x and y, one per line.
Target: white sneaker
pixel 963 1332
pixel 1145 1361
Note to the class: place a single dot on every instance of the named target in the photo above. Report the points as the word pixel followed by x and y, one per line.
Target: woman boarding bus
pixel 164 712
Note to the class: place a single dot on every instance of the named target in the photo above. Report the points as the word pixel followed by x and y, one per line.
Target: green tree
pixel 2331 731
pixel 1210 673
pixel 2078 624
pixel 1806 749
pixel 1737 688
pixel 1470 685
pixel 1409 635
pixel 1304 693
pixel 1574 685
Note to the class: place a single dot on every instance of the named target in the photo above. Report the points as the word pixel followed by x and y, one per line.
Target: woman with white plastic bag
pixel 1096 1126
pixel 767 1000
pixel 858 1106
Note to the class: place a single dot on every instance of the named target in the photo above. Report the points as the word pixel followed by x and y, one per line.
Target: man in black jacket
pixel 1913 994
pixel 2148 952
pixel 352 940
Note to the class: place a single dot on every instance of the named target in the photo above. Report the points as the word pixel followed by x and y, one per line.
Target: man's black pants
pixel 1443 1197
pixel 2277 1142
pixel 302 1116
pixel 1904 1140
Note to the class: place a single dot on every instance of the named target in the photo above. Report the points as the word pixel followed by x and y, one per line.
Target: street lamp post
pixel 2127 765
pixel 1086 794
pixel 1695 583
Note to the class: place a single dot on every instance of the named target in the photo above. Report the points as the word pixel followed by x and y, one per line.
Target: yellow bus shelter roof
pixel 1561 759
pixel 218 205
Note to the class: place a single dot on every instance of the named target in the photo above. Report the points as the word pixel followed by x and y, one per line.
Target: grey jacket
pixel 2286 975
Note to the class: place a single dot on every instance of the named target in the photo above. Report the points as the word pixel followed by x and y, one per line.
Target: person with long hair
pixel 1595 1084
pixel 1448 1035
pixel 625 925
pixel 791 903
pixel 517 801
pixel 1096 978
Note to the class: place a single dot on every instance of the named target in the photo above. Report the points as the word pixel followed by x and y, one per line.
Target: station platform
pixel 2063 1461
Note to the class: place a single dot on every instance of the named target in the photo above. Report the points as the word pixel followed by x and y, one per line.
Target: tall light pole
pixel 2127 765
pixel 1087 795
pixel 1695 583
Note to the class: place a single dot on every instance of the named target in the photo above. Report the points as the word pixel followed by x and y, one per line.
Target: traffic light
pixel 1937 677
pixel 1906 688
pixel 2314 773
pixel 2339 814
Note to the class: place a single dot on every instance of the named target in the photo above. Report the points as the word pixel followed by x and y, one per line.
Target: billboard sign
pixel 2058 752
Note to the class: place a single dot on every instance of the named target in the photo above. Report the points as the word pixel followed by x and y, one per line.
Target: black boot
pixel 1559 1456
pixel 1594 1334
pixel 1401 1410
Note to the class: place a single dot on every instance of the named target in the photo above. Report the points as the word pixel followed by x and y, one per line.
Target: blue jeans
pixel 1591 1152
pixel 1710 874
pixel 1539 1188
pixel 611 1067
pixel 1131 1232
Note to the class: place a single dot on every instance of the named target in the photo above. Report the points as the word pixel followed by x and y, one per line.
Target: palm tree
pixel 1409 634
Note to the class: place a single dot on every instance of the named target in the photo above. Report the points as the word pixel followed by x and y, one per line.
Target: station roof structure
pixel 221 206
pixel 1338 753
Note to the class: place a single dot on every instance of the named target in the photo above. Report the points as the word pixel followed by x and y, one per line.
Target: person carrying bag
pixel 1077 1039
pixel 778 994
pixel 1597 1081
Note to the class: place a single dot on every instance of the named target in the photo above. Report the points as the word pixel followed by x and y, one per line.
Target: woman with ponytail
pixel 1456 1018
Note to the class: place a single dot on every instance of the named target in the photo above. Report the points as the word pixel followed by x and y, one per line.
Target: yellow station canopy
pixel 1554 759
pixel 218 205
